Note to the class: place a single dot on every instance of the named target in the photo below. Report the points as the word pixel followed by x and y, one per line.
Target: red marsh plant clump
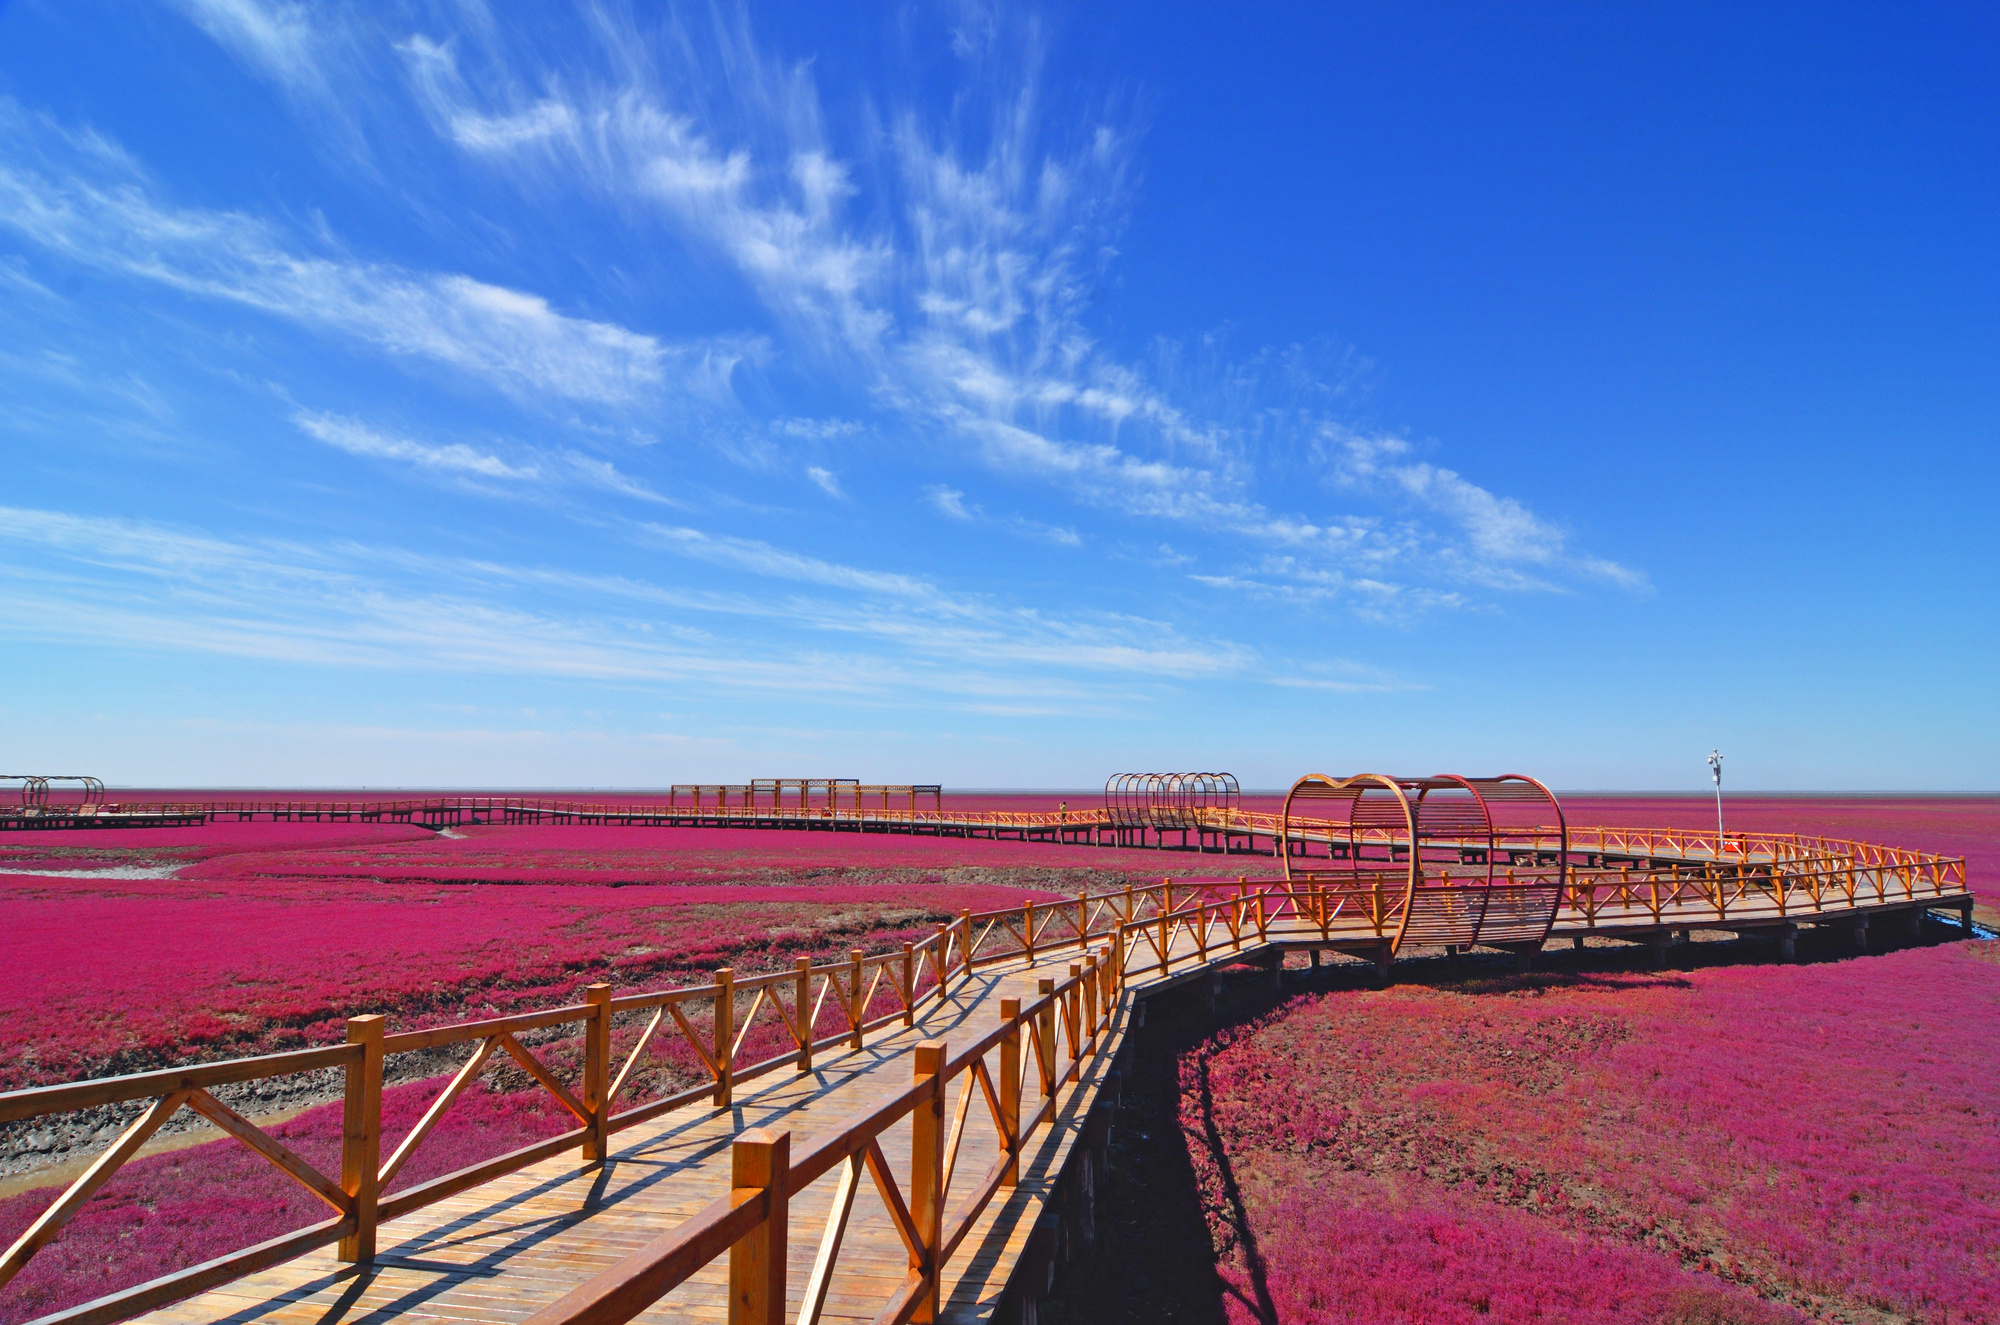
pixel 1730 1144
pixel 269 939
pixel 108 976
pixel 613 853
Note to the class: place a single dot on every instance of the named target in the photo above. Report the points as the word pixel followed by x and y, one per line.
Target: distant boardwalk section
pixel 930 1139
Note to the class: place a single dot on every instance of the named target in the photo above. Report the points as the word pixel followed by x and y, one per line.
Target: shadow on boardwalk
pixel 1153 1258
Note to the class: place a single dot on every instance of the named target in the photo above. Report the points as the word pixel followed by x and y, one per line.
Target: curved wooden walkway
pixel 898 1160
pixel 510 1247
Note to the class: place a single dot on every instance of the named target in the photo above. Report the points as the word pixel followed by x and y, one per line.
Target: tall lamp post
pixel 1715 767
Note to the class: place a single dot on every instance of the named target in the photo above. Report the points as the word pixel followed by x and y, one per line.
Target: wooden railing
pixel 862 994
pixel 1054 1034
pixel 1117 935
pixel 750 1222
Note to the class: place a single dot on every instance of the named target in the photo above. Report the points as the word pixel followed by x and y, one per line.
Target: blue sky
pixel 443 394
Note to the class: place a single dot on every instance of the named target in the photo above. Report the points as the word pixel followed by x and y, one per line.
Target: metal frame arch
pixel 1169 800
pixel 1485 811
pixel 1562 821
pixel 1362 783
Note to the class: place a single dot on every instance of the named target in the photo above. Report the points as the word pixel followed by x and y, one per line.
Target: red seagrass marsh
pixel 1724 1139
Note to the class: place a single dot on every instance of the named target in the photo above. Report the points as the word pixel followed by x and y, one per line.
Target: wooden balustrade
pixel 751 1224
pixel 851 990
pixel 1111 936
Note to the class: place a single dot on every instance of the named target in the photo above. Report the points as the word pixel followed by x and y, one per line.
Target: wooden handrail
pixel 738 1219
pixel 1131 927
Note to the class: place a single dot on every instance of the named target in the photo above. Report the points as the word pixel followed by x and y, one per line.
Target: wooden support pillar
pixel 909 984
pixel 1859 927
pixel 1090 983
pixel 361 1137
pixel 1045 1029
pixel 927 1177
pixel 857 998
pixel 725 1034
pixel 1278 970
pixel 1385 957
pixel 1788 942
pixel 1010 1089
pixel 802 984
pixel 1913 923
pixel 597 1073
pixel 1965 916
pixel 1315 959
pixel 759 1167
pixel 1658 941
pixel 1576 942
pixel 943 961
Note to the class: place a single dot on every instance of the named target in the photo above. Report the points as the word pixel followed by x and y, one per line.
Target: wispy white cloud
pixel 947 501
pixel 284 40
pixel 1501 533
pixel 816 430
pixel 825 480
pixel 357 439
pixel 456 459
pixel 951 503
pixel 141 585
pixel 941 266
pixel 761 558
pixel 79 196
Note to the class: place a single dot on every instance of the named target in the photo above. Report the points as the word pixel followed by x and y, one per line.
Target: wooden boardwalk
pixel 511 1246
pixel 998 1032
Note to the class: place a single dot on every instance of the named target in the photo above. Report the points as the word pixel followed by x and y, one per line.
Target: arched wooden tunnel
pixel 1169 800
pixel 1438 860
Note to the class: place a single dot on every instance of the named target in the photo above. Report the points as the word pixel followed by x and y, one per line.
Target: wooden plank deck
pixel 498 1252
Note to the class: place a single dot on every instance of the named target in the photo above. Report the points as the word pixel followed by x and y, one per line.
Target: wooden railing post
pixel 760 1161
pixel 725 1033
pixel 1166 943
pixel 1045 1032
pixel 909 984
pixel 943 961
pixel 857 997
pixel 1083 920
pixel 361 1137
pixel 965 943
pixel 802 987
pixel 927 1176
pixel 1073 1005
pixel 1092 979
pixel 1010 1089
pixel 597 1072
pixel 1028 930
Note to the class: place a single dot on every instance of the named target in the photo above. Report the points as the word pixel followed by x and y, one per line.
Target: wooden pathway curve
pixel 503 1250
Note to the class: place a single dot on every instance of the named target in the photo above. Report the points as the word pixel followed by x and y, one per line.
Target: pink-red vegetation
pixel 1821 1139
pixel 100 848
pixel 166 1212
pixel 107 976
pixel 577 853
